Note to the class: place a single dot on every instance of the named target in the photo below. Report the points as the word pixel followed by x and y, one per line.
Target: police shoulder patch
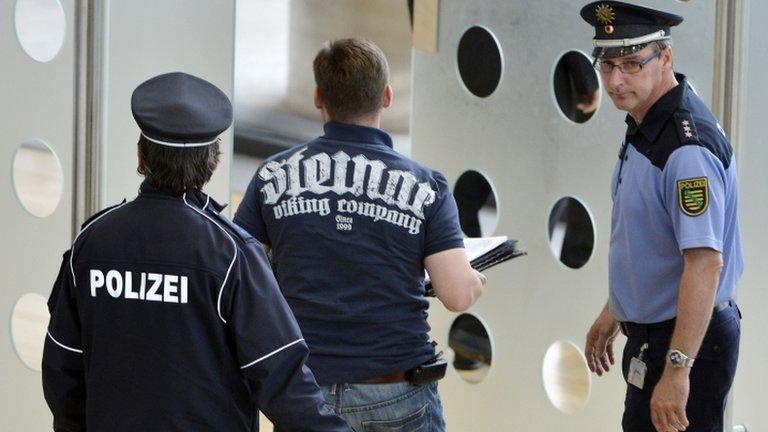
pixel 686 129
pixel 693 195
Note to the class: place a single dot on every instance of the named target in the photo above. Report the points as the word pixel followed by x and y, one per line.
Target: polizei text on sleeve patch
pixel 693 195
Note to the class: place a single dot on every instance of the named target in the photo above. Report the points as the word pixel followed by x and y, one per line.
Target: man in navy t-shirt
pixel 352 225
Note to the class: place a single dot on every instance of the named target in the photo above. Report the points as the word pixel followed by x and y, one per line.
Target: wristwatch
pixel 678 359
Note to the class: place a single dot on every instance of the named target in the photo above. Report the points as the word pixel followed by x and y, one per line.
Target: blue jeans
pixel 399 407
pixel 710 378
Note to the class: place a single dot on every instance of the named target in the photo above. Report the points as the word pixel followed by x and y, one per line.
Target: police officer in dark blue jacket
pixel 165 316
pixel 675 250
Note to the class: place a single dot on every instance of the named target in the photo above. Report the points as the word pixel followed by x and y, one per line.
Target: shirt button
pixel 619 181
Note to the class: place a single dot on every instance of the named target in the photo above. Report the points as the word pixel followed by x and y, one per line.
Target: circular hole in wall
pixel 477 203
pixel 571 232
pixel 566 377
pixel 29 323
pixel 470 341
pixel 576 86
pixel 40 28
pixel 37 178
pixel 480 61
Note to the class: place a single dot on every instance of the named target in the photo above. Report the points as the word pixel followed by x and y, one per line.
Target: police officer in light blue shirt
pixel 675 250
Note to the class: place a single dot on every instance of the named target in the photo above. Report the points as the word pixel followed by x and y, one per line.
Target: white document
pixel 477 247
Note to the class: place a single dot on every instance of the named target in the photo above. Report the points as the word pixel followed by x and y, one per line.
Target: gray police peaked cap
pixel 180 110
pixel 623 28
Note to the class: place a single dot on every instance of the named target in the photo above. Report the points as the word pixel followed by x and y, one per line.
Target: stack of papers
pixel 486 252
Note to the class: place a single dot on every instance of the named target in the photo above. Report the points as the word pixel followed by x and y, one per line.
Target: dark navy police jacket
pixel 166 317
pixel 350 222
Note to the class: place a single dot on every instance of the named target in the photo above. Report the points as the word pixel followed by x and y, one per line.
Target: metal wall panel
pixel 533 156
pixel 142 39
pixel 38 102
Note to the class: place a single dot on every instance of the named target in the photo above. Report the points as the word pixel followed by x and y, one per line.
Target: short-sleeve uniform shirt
pixel 674 188
pixel 350 222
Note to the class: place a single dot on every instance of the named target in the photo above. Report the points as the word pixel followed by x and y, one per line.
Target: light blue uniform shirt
pixel 674 188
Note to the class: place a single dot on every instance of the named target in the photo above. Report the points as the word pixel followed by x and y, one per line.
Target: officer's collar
pixel 196 197
pixel 355 133
pixel 147 188
pixel 657 116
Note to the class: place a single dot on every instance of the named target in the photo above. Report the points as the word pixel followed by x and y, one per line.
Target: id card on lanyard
pixel 638 369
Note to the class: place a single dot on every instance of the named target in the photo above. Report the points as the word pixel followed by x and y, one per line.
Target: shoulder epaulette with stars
pixel 686 129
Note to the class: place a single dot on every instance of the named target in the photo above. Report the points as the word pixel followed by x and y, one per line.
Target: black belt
pixel 387 379
pixel 631 329
pixel 419 375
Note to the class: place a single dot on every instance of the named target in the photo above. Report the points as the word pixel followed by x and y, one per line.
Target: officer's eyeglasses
pixel 627 67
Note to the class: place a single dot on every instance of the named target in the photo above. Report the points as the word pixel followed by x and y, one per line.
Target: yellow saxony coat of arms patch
pixel 693 195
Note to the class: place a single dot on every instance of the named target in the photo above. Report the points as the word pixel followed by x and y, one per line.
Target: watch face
pixel 675 358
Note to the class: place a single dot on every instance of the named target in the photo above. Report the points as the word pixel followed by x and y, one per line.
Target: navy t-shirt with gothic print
pixel 350 222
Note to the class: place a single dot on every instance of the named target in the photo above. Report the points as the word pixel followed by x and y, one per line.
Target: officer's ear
pixel 667 58
pixel 140 169
pixel 386 98
pixel 319 102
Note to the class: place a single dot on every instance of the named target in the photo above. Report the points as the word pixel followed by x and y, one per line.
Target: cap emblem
pixel 605 14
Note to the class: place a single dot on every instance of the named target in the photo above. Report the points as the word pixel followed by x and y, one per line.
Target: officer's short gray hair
pixel 663 44
pixel 175 169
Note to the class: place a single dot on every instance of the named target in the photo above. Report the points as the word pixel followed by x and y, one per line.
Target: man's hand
pixel 457 285
pixel 698 287
pixel 599 347
pixel 669 399
pixel 591 104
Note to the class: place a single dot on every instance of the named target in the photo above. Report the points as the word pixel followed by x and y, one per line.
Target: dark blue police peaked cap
pixel 622 28
pixel 180 110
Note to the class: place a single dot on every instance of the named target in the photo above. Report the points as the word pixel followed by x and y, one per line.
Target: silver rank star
pixel 687 128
